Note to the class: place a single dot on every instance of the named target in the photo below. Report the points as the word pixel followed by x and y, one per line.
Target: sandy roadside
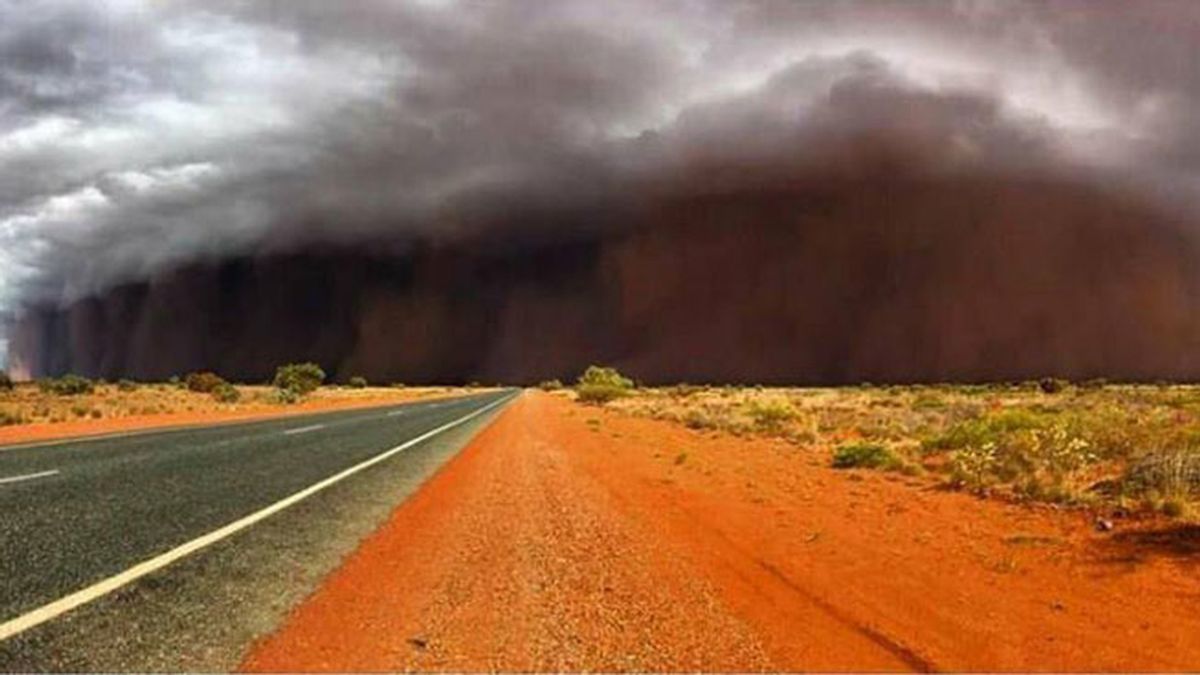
pixel 571 538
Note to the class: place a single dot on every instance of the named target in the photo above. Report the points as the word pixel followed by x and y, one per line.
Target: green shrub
pixel 1060 453
pixel 1040 464
pixel 550 385
pixel 226 393
pixel 983 430
pixel 770 414
pixel 286 396
pixel 865 456
pixel 203 383
pixel 600 375
pixel 6 383
pixel 700 418
pixel 599 394
pixel 600 385
pixel 67 385
pixel 8 418
pixel 357 382
pixel 301 378
pixel 127 385
pixel 974 467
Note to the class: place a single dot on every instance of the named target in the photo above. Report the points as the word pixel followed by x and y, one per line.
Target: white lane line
pixel 396 413
pixel 100 589
pixel 303 430
pixel 29 476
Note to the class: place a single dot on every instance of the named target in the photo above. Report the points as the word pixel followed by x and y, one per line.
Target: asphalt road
pixel 75 513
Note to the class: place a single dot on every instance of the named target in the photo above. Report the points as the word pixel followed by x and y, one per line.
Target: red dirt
pixel 571 538
pixel 81 428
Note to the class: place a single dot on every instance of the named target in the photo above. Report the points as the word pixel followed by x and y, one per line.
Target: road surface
pixel 83 514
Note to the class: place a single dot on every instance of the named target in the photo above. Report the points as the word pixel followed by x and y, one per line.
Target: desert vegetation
pixel 67 385
pixel 296 380
pixel 600 384
pixel 1127 446
pixel 72 398
pixel 204 383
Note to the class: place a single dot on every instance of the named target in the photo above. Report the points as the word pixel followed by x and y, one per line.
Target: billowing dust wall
pixel 773 279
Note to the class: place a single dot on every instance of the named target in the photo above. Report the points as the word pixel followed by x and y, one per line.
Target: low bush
pixel 301 378
pixel 989 429
pixel 67 385
pixel 285 396
pixel 357 382
pixel 700 418
pixel 203 383
pixel 771 414
pixel 550 385
pixel 226 393
pixel 600 385
pixel 8 418
pixel 127 385
pixel 974 467
pixel 599 394
pixel 6 383
pixel 1040 464
pixel 865 456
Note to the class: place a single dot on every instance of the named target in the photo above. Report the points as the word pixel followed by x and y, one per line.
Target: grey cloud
pixel 79 58
pixel 410 117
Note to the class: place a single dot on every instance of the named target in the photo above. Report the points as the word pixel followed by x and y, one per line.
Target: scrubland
pixel 26 404
pixel 1129 447
pixel 72 405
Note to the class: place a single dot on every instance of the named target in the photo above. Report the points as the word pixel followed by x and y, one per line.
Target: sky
pixel 138 135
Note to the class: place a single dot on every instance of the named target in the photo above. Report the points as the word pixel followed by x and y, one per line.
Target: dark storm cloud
pixel 135 136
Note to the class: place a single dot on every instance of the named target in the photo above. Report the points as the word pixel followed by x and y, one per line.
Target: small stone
pixel 418 642
pixel 1104 525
